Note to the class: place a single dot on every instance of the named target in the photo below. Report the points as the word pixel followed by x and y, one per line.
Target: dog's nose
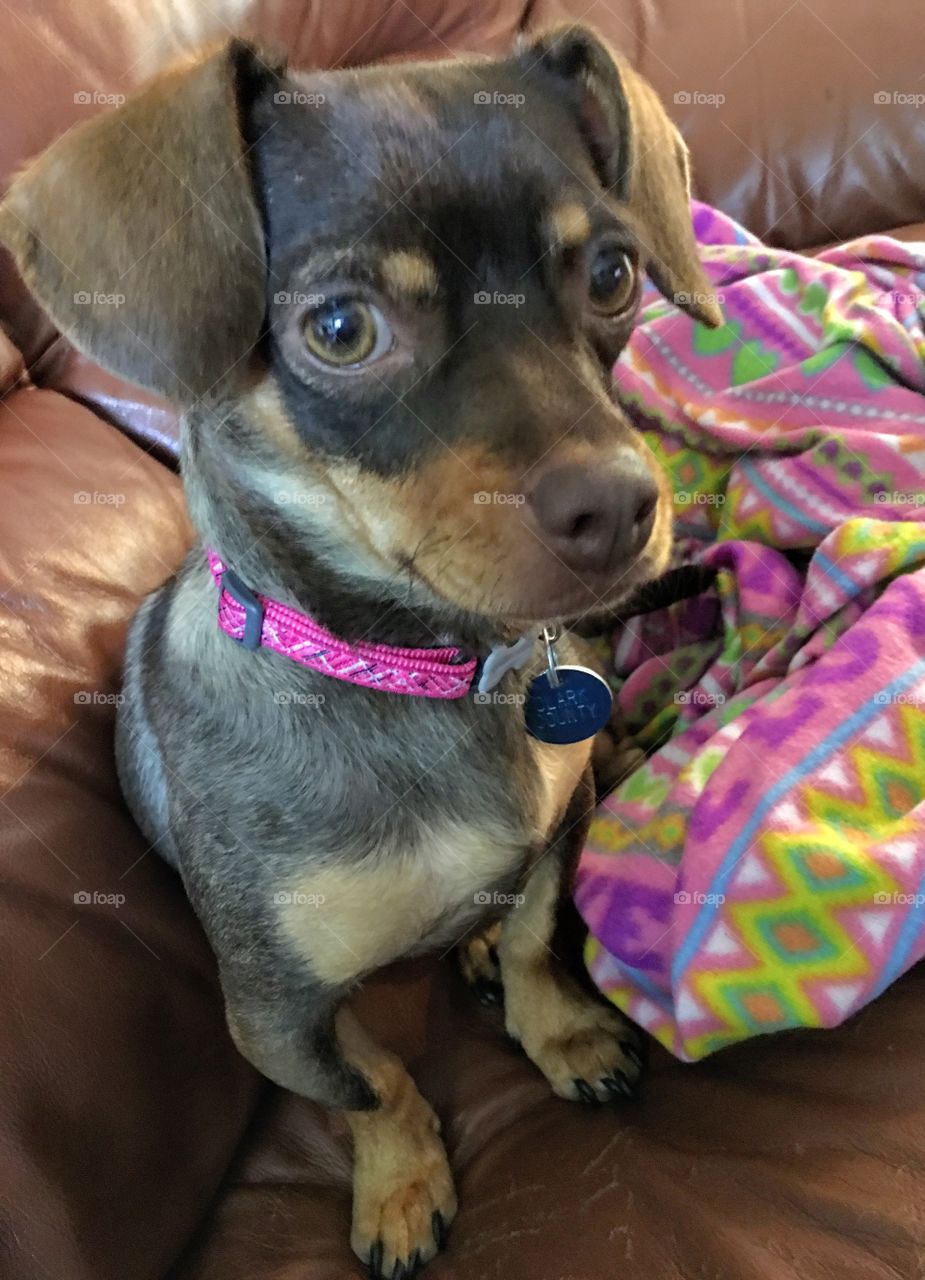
pixel 595 518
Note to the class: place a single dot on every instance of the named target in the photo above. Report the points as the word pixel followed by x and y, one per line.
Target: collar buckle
pixel 253 609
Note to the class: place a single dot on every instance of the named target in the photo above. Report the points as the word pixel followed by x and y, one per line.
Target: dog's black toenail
pixel 629 1051
pixel 439 1228
pixel 618 1086
pixel 584 1091
pixel 488 992
pixel 399 1272
pixel 494 957
pixel 375 1261
pixel 414 1264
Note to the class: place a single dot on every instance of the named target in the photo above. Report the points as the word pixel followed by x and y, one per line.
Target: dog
pixel 388 302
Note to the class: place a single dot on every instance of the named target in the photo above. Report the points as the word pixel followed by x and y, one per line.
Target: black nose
pixel 595 518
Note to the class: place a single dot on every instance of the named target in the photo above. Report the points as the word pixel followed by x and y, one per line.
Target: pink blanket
pixel 766 868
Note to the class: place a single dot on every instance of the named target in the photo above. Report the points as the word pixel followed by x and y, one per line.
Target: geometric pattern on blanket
pixel 765 868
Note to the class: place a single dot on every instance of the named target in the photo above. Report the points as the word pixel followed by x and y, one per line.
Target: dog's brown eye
pixel 612 282
pixel 346 332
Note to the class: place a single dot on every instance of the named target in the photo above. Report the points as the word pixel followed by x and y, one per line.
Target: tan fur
pixel 401 1177
pixel 569 1034
pixel 408 273
pixel 351 918
pixel 569 226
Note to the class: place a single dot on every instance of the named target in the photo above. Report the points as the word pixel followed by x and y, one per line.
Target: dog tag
pixel 571 710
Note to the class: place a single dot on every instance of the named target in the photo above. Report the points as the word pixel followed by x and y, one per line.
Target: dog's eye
pixel 346 332
pixel 612 281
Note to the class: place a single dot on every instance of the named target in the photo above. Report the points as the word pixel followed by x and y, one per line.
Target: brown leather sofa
pixel 134 1143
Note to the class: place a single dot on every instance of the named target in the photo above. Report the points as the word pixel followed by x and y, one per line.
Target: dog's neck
pixel 276 557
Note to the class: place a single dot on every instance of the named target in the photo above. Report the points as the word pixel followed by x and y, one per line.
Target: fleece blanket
pixel 765 868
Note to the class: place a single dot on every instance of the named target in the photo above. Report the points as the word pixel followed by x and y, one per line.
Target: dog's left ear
pixel 639 155
pixel 140 234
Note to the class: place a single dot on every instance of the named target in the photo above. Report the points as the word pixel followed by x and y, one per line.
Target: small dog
pixel 388 302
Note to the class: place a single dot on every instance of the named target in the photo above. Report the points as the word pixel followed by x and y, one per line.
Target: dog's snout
pixel 595 518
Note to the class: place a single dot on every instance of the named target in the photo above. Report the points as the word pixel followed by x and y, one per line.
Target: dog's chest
pixel 418 876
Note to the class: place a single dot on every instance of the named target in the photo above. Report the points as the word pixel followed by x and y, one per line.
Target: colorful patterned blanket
pixel 766 867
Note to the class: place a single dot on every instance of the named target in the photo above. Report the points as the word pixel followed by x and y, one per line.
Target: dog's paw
pixel 480 966
pixel 403 1204
pixel 590 1053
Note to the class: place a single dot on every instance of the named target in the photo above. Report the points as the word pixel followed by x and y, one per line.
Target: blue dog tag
pixel 571 711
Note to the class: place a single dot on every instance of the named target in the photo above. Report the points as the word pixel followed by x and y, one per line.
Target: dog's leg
pixel 583 1045
pixel 480 963
pixel 403 1196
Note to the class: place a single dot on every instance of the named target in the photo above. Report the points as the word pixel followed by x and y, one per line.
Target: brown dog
pixel 388 302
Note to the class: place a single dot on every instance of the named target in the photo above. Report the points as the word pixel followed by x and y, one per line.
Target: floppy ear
pixel 640 158
pixel 139 233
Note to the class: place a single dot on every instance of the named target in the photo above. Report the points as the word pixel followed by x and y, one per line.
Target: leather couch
pixel 135 1144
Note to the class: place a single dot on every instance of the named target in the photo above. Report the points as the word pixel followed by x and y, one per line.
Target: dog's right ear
pixel 139 232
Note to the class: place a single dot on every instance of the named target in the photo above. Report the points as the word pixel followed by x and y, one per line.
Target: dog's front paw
pixel 587 1051
pixel 403 1204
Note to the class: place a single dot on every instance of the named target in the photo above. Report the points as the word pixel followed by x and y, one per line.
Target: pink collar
pixel 256 621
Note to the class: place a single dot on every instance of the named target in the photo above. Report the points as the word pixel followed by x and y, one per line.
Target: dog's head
pixel 389 301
